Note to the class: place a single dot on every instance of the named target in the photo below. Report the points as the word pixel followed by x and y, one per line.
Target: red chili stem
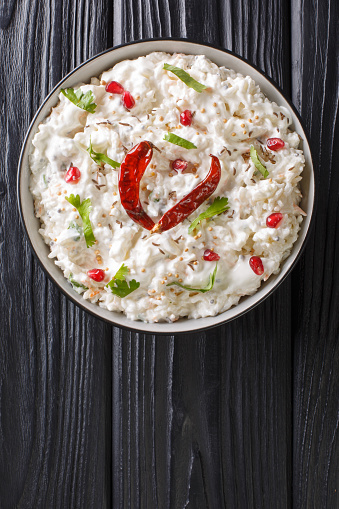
pixel 131 171
pixel 192 201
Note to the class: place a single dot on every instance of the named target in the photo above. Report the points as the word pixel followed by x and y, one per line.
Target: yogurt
pixel 229 117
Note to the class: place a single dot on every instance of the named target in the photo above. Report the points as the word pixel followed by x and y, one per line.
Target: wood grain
pixel 315 88
pixel 93 416
pixel 6 10
pixel 205 419
pixel 55 360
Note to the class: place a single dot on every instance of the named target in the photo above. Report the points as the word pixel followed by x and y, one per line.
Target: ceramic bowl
pixel 94 67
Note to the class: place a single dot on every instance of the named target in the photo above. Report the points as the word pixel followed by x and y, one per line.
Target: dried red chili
pixel 131 171
pixel 192 200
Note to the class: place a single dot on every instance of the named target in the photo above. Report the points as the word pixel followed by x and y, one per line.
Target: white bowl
pixel 94 67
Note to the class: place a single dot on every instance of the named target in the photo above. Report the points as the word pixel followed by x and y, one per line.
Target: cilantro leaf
pixel 219 206
pixel 101 158
pixel 120 287
pixel 185 77
pixel 75 284
pixel 201 290
pixel 74 226
pixel 257 163
pixel 176 140
pixel 122 272
pixel 71 95
pixel 118 284
pixel 84 209
pixel 83 101
pixel 86 102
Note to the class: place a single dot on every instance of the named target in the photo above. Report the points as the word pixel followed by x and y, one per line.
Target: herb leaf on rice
pixel 185 77
pixel 84 209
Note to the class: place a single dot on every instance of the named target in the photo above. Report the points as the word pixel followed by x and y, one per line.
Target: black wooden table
pixel 243 416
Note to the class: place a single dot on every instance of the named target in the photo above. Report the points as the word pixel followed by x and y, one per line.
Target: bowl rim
pixel 134 324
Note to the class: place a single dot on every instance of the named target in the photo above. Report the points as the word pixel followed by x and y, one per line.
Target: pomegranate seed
pixel 128 100
pixel 275 144
pixel 179 164
pixel 114 88
pixel 274 220
pixel 73 175
pixel 186 117
pixel 210 256
pixel 256 265
pixel 96 274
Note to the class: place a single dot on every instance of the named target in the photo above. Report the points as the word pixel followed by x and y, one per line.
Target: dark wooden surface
pixel 242 416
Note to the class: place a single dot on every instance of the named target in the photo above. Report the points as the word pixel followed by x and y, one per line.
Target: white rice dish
pixel 230 116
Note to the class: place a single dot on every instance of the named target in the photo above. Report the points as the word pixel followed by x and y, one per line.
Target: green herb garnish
pixel 83 101
pixel 84 209
pixel 75 284
pixel 202 290
pixel 185 77
pixel 173 138
pixel 45 180
pixel 122 272
pixel 101 158
pixel 118 284
pixel 74 226
pixel 257 163
pixel 219 206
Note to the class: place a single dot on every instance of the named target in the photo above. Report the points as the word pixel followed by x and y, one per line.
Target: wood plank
pixel 55 360
pixel 315 86
pixel 6 11
pixel 204 420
